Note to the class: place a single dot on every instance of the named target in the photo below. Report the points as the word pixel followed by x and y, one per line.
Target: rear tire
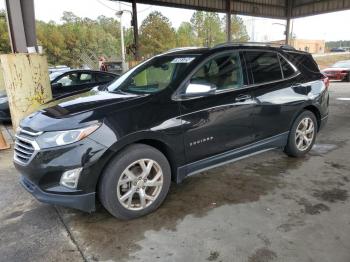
pixel 135 182
pixel 302 135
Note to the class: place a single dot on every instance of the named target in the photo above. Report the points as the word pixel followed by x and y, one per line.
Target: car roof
pixel 229 46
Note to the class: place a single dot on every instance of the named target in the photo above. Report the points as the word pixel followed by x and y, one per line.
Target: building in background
pixel 311 46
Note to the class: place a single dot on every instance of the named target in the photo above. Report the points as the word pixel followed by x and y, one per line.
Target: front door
pixel 221 119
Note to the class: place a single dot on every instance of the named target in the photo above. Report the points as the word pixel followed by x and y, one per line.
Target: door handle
pixel 242 98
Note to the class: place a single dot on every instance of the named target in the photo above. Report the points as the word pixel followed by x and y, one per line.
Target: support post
pixel 29 24
pixel 289 4
pixel 228 21
pixel 15 26
pixel 136 30
pixel 25 75
pixel 27 84
pixel 287 31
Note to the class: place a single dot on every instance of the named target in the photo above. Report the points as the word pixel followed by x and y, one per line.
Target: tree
pixel 185 35
pixel 4 36
pixel 156 34
pixel 238 29
pixel 207 28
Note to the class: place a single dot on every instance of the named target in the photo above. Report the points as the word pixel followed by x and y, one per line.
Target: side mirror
pixel 194 89
pixel 57 85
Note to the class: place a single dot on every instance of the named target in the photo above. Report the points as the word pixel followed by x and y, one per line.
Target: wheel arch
pixel 150 141
pixel 316 112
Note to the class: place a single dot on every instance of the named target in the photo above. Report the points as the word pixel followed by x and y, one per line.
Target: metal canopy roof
pixel 282 9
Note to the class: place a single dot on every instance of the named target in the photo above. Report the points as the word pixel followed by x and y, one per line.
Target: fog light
pixel 70 178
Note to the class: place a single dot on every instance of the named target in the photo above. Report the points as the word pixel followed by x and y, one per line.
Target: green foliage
pixel 4 36
pixel 65 42
pixel 185 35
pixel 156 34
pixel 208 28
pixel 238 30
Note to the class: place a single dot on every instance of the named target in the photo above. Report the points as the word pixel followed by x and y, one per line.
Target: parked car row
pixel 339 71
pixel 170 117
pixel 63 83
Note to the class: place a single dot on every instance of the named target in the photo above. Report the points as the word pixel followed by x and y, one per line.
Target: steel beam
pixel 21 24
pixel 15 25
pixel 28 15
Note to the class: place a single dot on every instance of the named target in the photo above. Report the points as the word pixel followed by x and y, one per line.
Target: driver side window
pixel 75 79
pixel 69 80
pixel 222 72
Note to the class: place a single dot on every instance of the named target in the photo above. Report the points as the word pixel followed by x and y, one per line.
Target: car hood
pixel 335 69
pixel 79 110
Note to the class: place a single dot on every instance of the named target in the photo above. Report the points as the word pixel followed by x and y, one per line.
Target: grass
pixel 326 61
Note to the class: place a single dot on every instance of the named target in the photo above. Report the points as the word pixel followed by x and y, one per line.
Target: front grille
pixel 25 146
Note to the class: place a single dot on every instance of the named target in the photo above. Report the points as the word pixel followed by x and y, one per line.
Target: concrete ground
pixel 265 208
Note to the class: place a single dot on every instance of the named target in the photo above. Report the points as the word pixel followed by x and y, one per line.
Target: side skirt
pixel 262 146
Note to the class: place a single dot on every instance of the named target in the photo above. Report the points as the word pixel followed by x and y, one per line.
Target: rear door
pixel 274 81
pixel 221 120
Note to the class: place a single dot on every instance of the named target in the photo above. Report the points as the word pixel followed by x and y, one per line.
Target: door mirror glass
pixel 194 89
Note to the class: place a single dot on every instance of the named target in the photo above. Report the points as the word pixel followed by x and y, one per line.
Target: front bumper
pixel 41 175
pixel 84 202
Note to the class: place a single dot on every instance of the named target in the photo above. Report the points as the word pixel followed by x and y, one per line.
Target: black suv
pixel 172 116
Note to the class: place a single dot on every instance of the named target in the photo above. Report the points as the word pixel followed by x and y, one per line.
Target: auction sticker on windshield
pixel 182 60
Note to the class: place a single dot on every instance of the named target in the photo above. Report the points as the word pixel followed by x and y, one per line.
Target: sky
pixel 329 27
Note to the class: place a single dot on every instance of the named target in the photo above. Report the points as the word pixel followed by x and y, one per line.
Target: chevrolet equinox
pixel 174 115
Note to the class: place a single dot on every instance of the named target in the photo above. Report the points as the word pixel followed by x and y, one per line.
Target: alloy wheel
pixel 140 184
pixel 304 134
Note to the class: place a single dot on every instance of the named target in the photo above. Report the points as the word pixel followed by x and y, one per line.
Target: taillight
pixel 326 81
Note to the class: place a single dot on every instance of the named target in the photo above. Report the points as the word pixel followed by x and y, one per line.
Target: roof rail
pixel 269 44
pixel 181 49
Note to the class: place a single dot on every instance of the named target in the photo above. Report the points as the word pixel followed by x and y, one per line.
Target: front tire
pixel 135 182
pixel 302 135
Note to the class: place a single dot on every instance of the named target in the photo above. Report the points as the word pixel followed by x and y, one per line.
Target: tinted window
pixel 265 66
pixel 287 69
pixel 104 78
pixel 75 79
pixel 223 72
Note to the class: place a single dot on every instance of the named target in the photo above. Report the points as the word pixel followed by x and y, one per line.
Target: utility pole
pixel 25 71
pixel 228 21
pixel 136 30
pixel 289 15
pixel 122 38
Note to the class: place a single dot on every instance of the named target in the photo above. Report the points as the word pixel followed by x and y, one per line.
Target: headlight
pixel 3 99
pixel 61 138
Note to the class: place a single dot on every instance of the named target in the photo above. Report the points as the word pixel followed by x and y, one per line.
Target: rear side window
pixel 287 69
pixel 303 62
pixel 264 66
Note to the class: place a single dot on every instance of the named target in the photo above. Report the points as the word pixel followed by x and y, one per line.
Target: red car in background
pixel 339 71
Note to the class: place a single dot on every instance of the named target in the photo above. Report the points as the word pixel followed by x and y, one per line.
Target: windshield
pixel 54 75
pixel 342 64
pixel 152 75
